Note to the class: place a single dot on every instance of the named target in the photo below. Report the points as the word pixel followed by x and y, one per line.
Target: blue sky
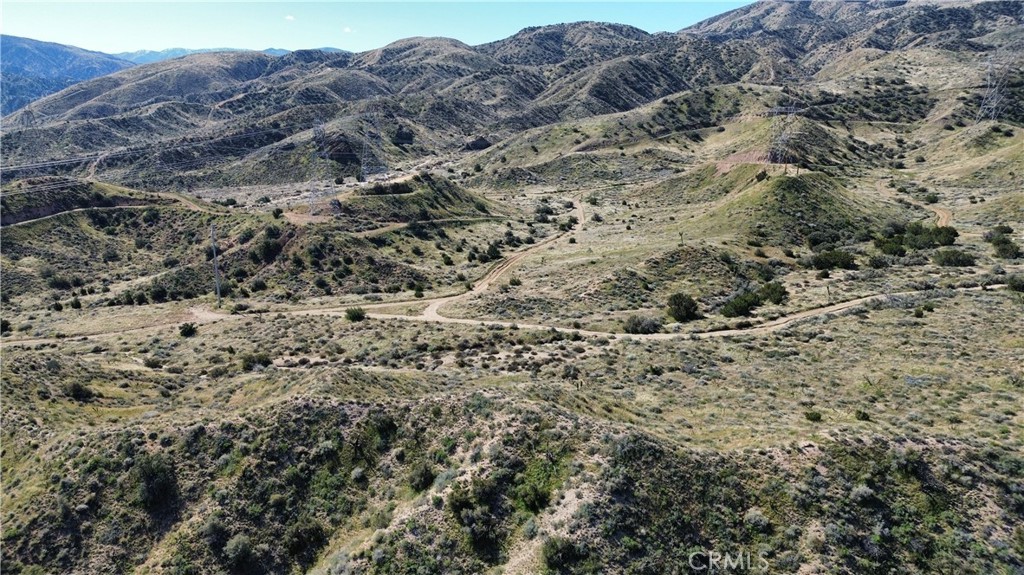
pixel 127 26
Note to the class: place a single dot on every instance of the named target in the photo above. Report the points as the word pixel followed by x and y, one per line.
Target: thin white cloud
pixel 346 30
pixel 289 18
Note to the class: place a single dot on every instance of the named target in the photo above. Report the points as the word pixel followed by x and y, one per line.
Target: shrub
pixel 943 235
pixel 421 476
pixel 641 325
pixel 814 416
pixel 78 391
pixel 682 307
pixel 355 314
pixel 304 538
pixel 833 259
pixel 266 251
pixel 1006 249
pixel 741 304
pixel 157 483
pixel 188 329
pixel 559 553
pixel 493 251
pixel 238 551
pixel 953 258
pixel 57 282
pixel 533 495
pixel 755 519
pixel 5 326
pixel 878 262
pixel 152 363
pixel 214 531
pixel 251 360
pixel 1015 282
pixel 774 292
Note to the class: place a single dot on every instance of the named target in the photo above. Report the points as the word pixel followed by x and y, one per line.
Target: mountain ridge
pixel 31 69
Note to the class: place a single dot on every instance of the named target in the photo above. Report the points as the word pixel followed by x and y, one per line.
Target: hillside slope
pixel 31 69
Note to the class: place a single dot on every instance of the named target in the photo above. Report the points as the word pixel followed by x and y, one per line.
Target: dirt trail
pixel 432 313
pixel 760 329
pixel 198 314
pixel 943 216
pixel 185 202
pixel 51 216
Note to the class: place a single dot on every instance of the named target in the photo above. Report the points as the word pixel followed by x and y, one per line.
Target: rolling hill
pixel 444 91
pixel 582 300
pixel 32 69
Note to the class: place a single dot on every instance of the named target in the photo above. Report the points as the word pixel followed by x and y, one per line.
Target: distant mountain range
pixel 256 112
pixel 150 56
pixel 31 69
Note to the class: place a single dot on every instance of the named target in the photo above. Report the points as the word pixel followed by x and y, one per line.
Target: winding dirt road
pixel 432 312
pixel 943 216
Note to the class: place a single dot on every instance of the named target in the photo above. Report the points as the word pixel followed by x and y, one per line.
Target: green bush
pixel 898 237
pixel 642 325
pixel 1015 282
pixel 682 307
pixel 266 251
pixel 78 391
pixel 304 538
pixel 355 314
pixel 214 531
pixel 814 416
pixel 833 259
pixel 421 476
pixel 560 554
pixel 741 304
pixel 953 258
pixel 251 360
pixel 157 485
pixel 1004 246
pixel 238 551
pixel 188 329
pixel 774 292
pixel 878 262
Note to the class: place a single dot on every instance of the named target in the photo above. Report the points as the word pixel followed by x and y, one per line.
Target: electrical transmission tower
pixel 216 268
pixel 996 76
pixel 783 130
pixel 369 162
pixel 320 152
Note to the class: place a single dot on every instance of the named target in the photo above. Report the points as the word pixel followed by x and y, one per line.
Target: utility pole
pixel 216 270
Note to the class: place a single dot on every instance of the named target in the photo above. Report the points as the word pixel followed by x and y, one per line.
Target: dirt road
pixel 432 312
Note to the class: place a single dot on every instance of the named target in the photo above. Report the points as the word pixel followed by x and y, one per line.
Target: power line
pixel 216 270
pixel 369 163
